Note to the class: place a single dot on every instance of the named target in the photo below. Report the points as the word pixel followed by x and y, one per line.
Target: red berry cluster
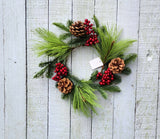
pixel 107 77
pixel 92 40
pixel 89 31
pixel 99 75
pixel 88 27
pixel 61 71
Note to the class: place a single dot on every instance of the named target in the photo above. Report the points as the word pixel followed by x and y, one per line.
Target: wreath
pixel 105 40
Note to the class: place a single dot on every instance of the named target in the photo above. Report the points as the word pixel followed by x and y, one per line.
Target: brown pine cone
pixel 65 85
pixel 116 65
pixel 77 29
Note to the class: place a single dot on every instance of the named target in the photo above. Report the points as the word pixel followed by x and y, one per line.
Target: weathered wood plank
pixel 59 109
pixel 81 125
pixel 1 74
pixel 105 10
pixel 124 102
pixel 147 75
pixel 37 104
pixel 15 68
pixel 158 112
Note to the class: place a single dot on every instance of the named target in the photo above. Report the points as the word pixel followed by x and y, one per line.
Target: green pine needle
pixel 65 36
pixel 61 26
pixel 117 79
pixel 51 45
pixel 84 98
pixel 69 23
pixel 130 57
pixel 119 48
pixel 93 76
pixel 126 71
pixel 111 88
pixel 102 92
pixel 108 37
pixel 40 73
pixel 96 21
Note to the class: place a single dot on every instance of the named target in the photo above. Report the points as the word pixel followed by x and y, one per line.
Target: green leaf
pixel 51 45
pixel 84 98
pixel 65 96
pixel 126 71
pixel 129 58
pixel 119 48
pixel 61 26
pixel 40 73
pixel 107 37
pixel 111 88
pixel 65 36
pixel 102 92
pixel 69 23
pixel 117 79
pixel 93 76
pixel 96 21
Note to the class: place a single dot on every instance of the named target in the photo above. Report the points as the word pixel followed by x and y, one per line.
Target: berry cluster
pixel 92 40
pixel 99 75
pixel 88 27
pixel 61 71
pixel 107 77
pixel 89 31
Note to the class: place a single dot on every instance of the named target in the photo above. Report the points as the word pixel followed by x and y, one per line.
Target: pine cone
pixel 116 65
pixel 65 85
pixel 77 29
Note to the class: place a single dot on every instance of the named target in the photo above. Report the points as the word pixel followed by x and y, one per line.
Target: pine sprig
pixel 96 21
pixel 126 71
pixel 51 45
pixel 69 23
pixel 119 48
pixel 84 98
pixel 108 37
pixel 117 79
pixel 111 88
pixel 47 68
pixel 130 57
pixel 93 76
pixel 61 26
pixel 65 36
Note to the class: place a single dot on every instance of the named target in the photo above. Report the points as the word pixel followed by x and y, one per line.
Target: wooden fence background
pixel 33 108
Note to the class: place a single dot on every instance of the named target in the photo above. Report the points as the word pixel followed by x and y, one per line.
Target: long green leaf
pixel 61 26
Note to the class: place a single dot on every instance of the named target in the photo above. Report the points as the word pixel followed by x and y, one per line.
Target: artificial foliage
pixel 111 50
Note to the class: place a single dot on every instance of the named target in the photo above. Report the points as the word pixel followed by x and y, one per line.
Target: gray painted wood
pixel 1 74
pixel 37 95
pixel 147 71
pixel 59 109
pixel 133 113
pixel 15 68
pixel 103 123
pixel 124 102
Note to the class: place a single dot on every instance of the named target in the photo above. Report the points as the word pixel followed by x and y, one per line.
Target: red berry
pixel 86 20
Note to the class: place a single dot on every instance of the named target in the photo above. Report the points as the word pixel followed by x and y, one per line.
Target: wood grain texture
pixel 1 74
pixel 158 104
pixel 133 113
pixel 81 125
pixel 15 68
pixel 37 104
pixel 124 102
pixel 147 75
pixel 59 109
pixel 105 10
